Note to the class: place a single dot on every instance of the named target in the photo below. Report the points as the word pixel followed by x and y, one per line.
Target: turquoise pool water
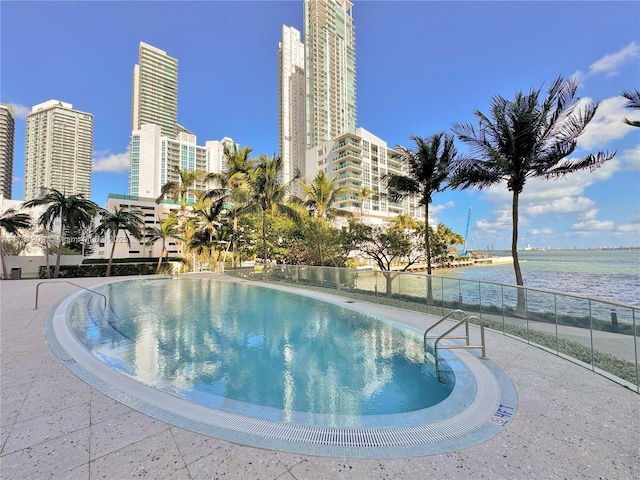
pixel 256 351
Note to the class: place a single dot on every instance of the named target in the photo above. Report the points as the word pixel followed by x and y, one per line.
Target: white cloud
pixel 15 179
pixel 628 228
pixel 543 231
pixel 610 64
pixel 630 158
pixel 20 110
pixel 110 162
pixel 606 125
pixel 591 225
pixel 560 205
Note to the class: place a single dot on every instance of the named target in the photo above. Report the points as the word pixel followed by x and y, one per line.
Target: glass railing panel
pixel 541 319
pixel 514 311
pixel 574 327
pixel 614 342
pixel 491 309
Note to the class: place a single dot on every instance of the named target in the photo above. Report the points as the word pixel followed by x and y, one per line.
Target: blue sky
pixel 421 66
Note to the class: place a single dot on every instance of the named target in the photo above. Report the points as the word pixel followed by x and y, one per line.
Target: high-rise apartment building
pixel 330 66
pixel 155 90
pixel 292 140
pixel 7 140
pixel 58 150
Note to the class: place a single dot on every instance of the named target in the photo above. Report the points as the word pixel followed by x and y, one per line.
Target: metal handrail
pixel 466 337
pixel 71 283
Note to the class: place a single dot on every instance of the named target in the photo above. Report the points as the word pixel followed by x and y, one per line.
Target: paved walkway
pixel 570 423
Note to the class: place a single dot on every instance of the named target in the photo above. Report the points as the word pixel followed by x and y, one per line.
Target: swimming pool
pixel 304 373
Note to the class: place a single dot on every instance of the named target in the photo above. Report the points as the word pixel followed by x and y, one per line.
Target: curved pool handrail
pixel 71 283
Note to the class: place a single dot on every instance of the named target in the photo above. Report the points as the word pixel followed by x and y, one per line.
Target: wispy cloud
pixel 591 225
pixel 110 162
pixel 20 110
pixel 630 158
pixel 611 64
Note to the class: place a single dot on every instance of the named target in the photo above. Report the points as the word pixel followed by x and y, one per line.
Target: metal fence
pixel 600 335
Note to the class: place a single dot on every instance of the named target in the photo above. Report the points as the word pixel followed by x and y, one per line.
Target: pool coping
pixel 492 409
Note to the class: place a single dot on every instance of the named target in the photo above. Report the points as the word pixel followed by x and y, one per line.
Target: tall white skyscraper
pixel 58 150
pixel 7 140
pixel 155 90
pixel 330 68
pixel 291 103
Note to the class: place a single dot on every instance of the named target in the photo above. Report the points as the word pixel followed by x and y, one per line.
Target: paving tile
pixel 114 434
pixel 194 446
pixel 153 457
pixel 46 427
pixel 66 456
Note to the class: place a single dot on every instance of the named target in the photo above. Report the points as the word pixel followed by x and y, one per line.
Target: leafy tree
pixel 527 137
pixel 168 228
pixel 633 97
pixel 444 243
pixel 389 247
pixel 120 220
pixel 73 211
pixel 268 194
pixel 11 222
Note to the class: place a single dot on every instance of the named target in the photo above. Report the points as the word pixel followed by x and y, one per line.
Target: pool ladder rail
pixel 446 335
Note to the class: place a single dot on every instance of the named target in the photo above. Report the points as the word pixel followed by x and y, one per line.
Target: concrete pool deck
pixel 570 422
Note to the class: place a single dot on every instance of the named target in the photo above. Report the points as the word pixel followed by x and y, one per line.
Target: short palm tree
pixel 120 220
pixel 527 137
pixel 209 219
pixel 633 101
pixel 233 182
pixel 74 212
pixel 168 228
pixel 179 190
pixel 268 193
pixel 428 167
pixel 321 193
pixel 363 194
pixel 11 222
pixel 405 222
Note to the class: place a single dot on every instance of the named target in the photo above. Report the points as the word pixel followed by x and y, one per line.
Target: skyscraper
pixel 7 139
pixel 330 65
pixel 58 150
pixel 155 90
pixel 291 103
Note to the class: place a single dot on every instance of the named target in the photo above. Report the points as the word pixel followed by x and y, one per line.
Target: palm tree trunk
pixel 514 253
pixel 4 265
pixel 264 236
pixel 427 245
pixel 113 249
pixel 233 241
pixel 56 272
pixel 161 255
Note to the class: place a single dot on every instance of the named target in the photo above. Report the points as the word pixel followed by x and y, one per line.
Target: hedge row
pixel 100 270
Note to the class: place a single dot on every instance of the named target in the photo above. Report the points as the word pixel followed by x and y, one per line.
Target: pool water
pixel 254 350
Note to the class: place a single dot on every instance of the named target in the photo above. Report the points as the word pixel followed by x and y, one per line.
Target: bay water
pixel 612 275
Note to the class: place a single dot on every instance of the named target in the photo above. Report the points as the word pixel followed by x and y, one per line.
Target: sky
pixel 421 66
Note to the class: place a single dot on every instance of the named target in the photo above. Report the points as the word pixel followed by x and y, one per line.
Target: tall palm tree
pixel 179 190
pixel 120 220
pixel 11 222
pixel 233 181
pixel 363 193
pixel 268 193
pixel 74 212
pixel 321 193
pixel 168 228
pixel 428 166
pixel 633 97
pixel 527 137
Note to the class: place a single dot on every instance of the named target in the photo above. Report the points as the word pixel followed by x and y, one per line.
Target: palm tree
pixel 633 97
pixel 525 138
pixel 234 181
pixel 208 218
pixel 405 222
pixel 321 193
pixel 11 222
pixel 168 228
pixel 363 193
pixel 268 194
pixel 427 169
pixel 120 220
pixel 74 212
pixel 179 190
